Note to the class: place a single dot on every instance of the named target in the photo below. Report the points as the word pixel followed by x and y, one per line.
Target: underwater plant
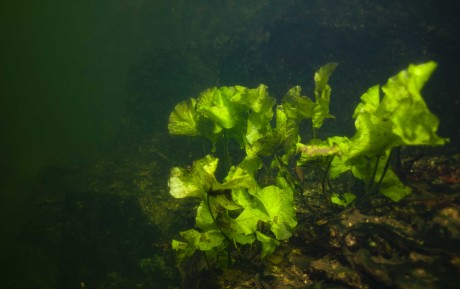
pixel 230 211
pixel 399 118
pixel 254 202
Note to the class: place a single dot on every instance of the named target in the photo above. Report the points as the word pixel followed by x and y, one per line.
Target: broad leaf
pixel 256 99
pixel 279 204
pixel 246 223
pixel 216 105
pixel 203 219
pixel 373 132
pixel 225 203
pixel 412 122
pixel 393 188
pixel 401 118
pixel 322 78
pixel 241 176
pixel 203 241
pixel 315 151
pixel 286 133
pixel 196 182
pixel 183 119
pixel 322 94
pixel 296 106
pixel 268 244
pixel 343 199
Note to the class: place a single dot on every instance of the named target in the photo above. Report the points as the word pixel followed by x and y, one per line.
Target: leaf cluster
pixel 240 210
pixel 398 118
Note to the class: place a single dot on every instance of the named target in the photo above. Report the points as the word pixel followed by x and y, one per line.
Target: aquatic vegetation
pixel 400 118
pixel 254 201
pixel 231 212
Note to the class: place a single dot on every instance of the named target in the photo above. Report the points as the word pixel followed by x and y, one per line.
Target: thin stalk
pixel 226 151
pixel 372 179
pixel 385 169
pixel 374 190
pixel 324 179
pixel 220 229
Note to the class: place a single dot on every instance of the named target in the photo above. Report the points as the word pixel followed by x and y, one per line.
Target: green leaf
pixel 343 199
pixel 203 219
pixel 260 137
pixel 297 107
pixel 241 176
pixel 286 134
pixel 256 99
pixel 225 203
pixel 204 241
pixel 242 197
pixel 265 145
pixel 242 228
pixel 370 102
pixel 279 204
pixel 183 119
pixel 393 188
pixel 210 241
pixel 363 167
pixel 336 147
pixel 315 151
pixel 259 127
pixel 269 245
pixel 281 124
pixel 412 122
pixel 320 149
pixel 216 104
pixel 373 132
pixel 322 94
pixel 196 182
pixel 183 249
pixel 246 223
pixel 241 238
pixel 401 118
pixel 339 163
pixel 224 108
pixel 322 78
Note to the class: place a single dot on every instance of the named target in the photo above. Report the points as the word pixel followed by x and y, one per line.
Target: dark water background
pixel 79 78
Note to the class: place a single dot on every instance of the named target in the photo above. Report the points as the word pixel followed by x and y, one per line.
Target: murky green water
pixel 86 89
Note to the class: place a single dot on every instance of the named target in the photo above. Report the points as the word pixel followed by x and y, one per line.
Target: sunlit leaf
pixel 203 241
pixel 203 219
pixel 195 182
pixel 393 188
pixel 403 103
pixel 183 119
pixel 343 199
pixel 246 223
pixel 279 204
pixel 322 94
pixel 297 107
pixel 268 244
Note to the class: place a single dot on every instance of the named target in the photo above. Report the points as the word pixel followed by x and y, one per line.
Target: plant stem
pixel 226 152
pixel 385 169
pixel 220 229
pixel 374 190
pixel 323 181
pixel 372 179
